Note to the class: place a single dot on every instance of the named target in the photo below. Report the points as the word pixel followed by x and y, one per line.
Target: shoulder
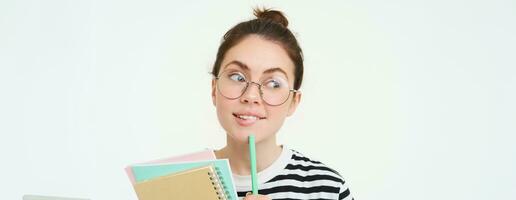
pixel 318 171
pixel 313 174
pixel 312 168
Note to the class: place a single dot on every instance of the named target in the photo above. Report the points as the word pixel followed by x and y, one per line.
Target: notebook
pixel 146 172
pixel 197 183
pixel 201 155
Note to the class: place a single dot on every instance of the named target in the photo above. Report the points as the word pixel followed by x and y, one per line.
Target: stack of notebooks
pixel 193 176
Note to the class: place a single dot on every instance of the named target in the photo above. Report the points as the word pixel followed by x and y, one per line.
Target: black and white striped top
pixel 294 176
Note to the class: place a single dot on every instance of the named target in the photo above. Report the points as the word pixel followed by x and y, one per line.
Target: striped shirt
pixel 294 176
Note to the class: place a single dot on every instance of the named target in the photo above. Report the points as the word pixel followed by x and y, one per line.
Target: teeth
pixel 247 117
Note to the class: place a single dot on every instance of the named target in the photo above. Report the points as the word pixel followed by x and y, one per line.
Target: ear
pixel 295 102
pixel 213 90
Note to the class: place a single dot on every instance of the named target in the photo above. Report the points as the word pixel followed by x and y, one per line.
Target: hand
pixel 249 196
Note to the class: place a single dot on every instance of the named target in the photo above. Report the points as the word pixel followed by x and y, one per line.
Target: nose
pixel 251 94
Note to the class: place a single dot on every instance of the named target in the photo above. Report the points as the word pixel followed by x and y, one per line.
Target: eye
pixel 274 84
pixel 237 77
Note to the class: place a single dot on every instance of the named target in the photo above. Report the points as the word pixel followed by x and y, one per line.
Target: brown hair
pixel 271 25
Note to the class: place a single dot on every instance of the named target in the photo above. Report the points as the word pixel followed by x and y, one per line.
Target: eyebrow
pixel 246 68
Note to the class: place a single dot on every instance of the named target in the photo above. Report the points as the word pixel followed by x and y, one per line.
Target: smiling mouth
pixel 248 117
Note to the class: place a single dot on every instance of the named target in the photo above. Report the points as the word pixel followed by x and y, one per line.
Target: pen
pixel 252 152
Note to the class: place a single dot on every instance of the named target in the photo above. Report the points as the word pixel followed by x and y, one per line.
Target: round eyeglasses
pixel 274 90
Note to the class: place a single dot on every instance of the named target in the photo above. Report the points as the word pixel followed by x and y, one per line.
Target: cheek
pixel 276 117
pixel 278 114
pixel 223 107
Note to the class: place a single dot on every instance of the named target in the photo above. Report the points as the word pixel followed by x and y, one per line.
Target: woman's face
pixel 261 61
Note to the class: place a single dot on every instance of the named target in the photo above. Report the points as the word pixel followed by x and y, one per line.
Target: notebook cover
pixel 196 156
pixel 194 183
pixel 144 172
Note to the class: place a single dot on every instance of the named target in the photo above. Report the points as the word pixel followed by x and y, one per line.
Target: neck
pixel 267 151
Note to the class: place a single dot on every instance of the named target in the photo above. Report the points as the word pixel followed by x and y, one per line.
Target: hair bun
pixel 273 15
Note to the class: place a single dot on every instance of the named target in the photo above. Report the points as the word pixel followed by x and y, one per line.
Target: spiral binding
pixel 218 184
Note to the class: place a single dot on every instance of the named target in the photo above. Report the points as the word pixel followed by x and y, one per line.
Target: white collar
pixel 244 182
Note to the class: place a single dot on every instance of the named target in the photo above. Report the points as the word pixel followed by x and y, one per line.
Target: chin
pixel 241 136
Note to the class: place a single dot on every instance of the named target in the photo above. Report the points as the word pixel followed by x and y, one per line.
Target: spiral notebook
pixel 195 156
pixel 148 172
pixel 197 183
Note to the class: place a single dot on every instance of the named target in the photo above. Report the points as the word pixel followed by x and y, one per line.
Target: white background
pixel 406 99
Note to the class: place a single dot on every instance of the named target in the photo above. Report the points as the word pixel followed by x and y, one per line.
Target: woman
pixel 257 75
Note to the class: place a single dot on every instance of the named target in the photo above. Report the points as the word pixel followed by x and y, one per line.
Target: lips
pixel 247 119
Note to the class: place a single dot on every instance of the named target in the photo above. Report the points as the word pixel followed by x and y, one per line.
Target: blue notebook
pixel 145 172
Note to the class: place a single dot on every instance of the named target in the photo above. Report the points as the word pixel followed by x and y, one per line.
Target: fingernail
pixel 248 193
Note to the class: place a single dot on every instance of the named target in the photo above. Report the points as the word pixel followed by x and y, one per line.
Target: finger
pixel 248 196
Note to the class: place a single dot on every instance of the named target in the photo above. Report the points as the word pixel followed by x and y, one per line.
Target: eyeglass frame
pixel 247 83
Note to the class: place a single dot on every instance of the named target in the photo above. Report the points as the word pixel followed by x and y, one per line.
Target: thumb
pixel 248 196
